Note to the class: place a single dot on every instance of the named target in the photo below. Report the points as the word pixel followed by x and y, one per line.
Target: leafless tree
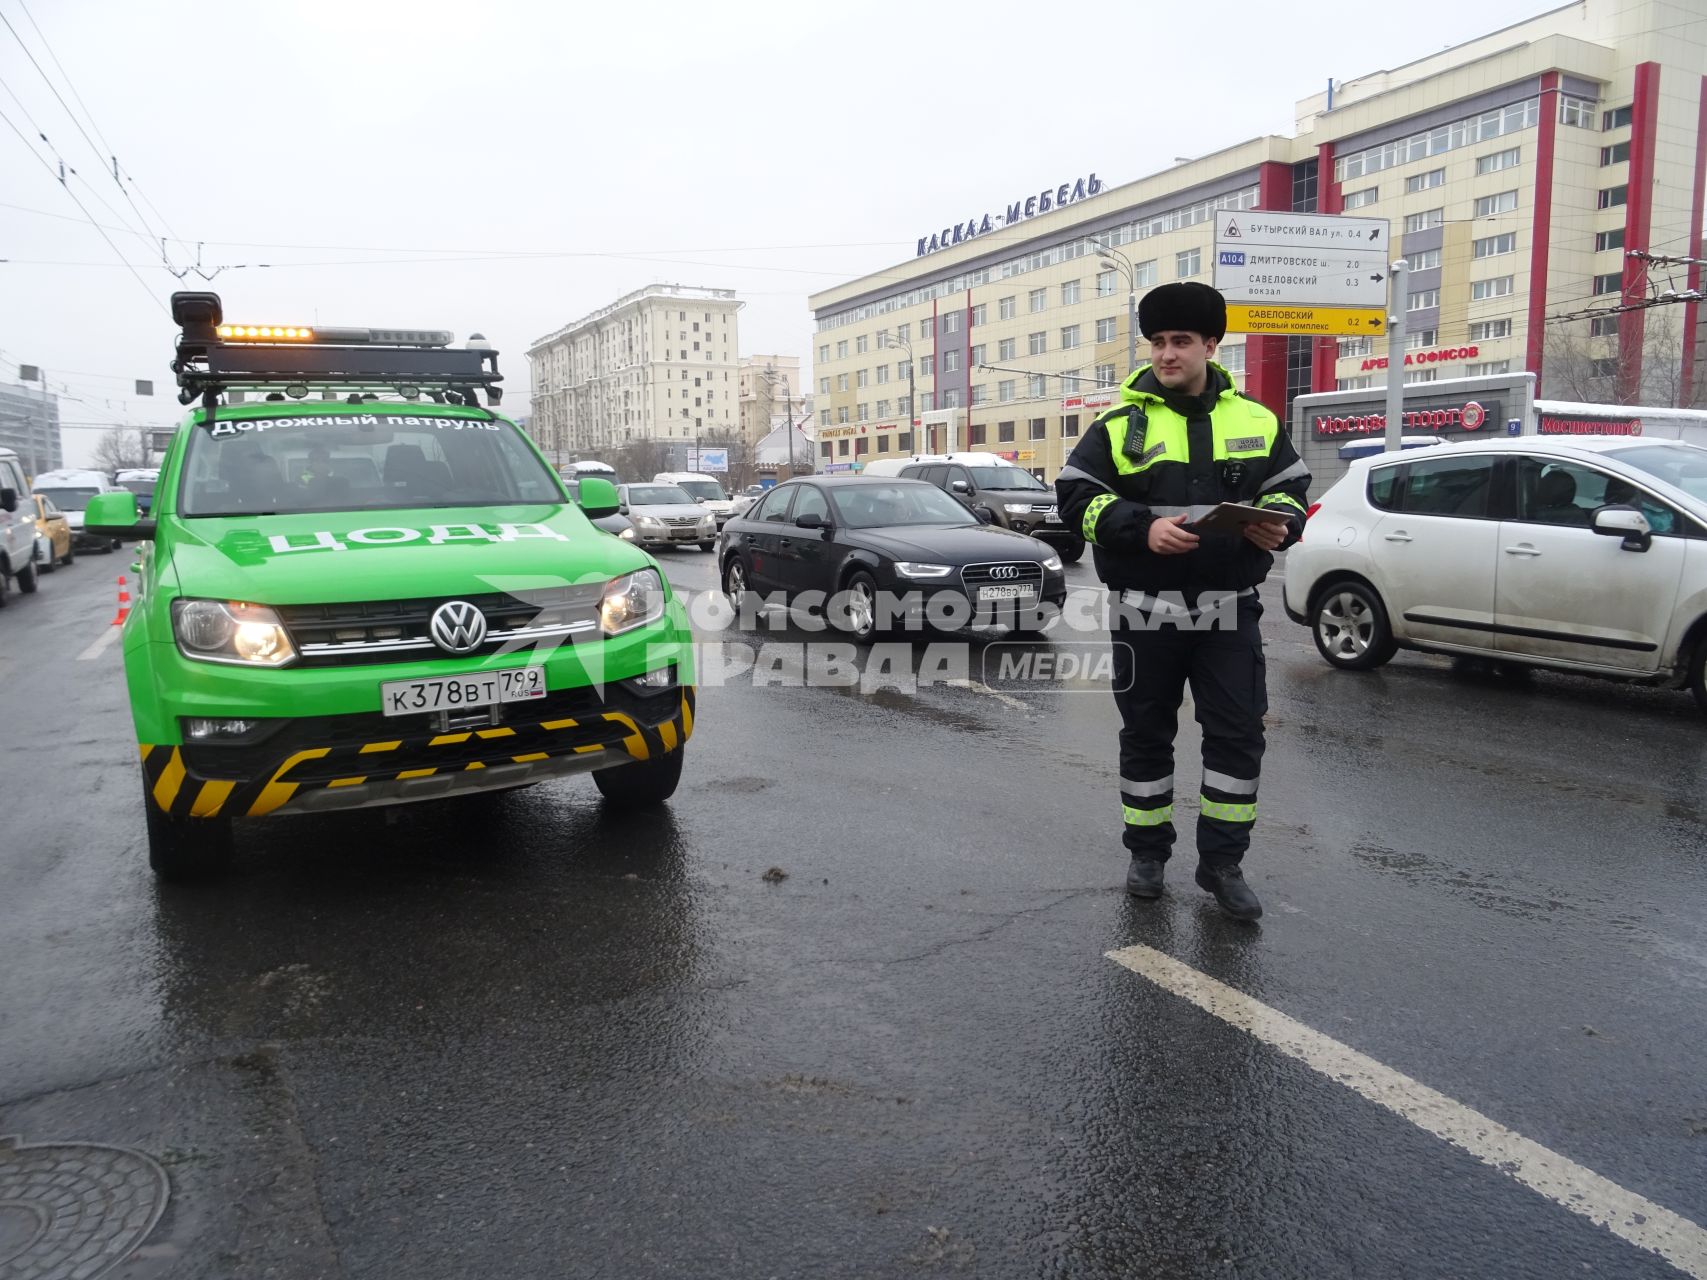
pixel 121 450
pixel 1598 369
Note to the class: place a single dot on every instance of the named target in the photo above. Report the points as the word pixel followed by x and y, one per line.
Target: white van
pixel 708 490
pixel 892 466
pixel 71 490
pixel 17 527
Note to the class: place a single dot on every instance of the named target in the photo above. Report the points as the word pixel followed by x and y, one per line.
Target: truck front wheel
pixel 645 784
pixel 186 849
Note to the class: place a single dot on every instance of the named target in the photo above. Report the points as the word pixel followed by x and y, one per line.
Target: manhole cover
pixel 69 1211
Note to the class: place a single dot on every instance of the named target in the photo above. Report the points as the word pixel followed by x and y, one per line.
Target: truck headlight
pixel 244 635
pixel 1017 508
pixel 915 569
pixel 631 601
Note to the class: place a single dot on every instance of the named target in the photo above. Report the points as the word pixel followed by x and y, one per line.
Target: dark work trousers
pixel 1224 666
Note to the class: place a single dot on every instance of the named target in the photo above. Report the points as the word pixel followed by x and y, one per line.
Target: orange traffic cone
pixel 124 603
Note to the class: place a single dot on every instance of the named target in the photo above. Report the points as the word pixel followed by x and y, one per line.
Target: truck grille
pixel 375 631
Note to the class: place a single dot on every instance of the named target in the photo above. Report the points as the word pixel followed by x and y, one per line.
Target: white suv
pixel 1587 555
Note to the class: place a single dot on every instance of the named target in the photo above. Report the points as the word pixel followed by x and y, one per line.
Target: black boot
pixel 1228 885
pixel 1144 878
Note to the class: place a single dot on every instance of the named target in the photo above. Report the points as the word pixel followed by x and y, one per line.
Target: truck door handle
pixel 1398 537
pixel 1523 550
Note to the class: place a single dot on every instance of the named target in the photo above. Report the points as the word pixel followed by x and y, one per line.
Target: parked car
pixel 667 515
pixel 1015 498
pixel 1586 555
pixel 71 490
pixel 747 497
pixel 701 488
pixel 883 541
pixel 17 527
pixel 53 536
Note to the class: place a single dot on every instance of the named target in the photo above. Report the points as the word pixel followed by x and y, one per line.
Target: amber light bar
pixel 264 333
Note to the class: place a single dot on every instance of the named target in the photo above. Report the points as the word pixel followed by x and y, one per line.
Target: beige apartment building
pixel 658 364
pixel 771 391
pixel 1516 172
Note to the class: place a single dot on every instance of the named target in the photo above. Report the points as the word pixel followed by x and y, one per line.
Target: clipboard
pixel 1229 517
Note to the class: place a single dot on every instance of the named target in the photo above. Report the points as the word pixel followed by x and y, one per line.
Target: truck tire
pixel 27 580
pixel 183 850
pixel 645 784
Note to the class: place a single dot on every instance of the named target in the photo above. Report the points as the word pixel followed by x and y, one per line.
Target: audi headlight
pixel 631 601
pixel 1017 508
pixel 1053 564
pixel 917 569
pixel 244 635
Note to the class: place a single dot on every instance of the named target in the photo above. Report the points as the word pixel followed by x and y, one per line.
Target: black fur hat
pixel 1187 305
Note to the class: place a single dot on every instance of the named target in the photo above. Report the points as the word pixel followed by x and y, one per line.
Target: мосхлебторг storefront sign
pixel 1436 415
pixel 1065 194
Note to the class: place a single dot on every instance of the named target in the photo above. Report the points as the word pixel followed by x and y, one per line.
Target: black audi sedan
pixel 881 554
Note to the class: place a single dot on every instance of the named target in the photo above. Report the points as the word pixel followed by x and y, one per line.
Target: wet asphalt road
pixel 526 1039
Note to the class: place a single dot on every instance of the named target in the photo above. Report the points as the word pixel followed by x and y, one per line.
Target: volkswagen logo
pixel 1005 571
pixel 458 627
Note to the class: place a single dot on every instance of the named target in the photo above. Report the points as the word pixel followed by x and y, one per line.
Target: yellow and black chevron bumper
pixel 187 781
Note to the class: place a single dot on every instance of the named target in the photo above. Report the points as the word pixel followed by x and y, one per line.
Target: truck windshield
pixel 704 490
pixel 69 499
pixel 1004 478
pixel 369 462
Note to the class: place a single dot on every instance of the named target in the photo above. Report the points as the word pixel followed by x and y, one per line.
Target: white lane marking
pixel 1583 1191
pixel 100 646
pixel 977 686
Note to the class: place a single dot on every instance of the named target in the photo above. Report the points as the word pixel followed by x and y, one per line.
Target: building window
pixel 1578 113
pixel 1417 339
pixel 1037 343
pixel 842 414
pixel 1603 327
pixel 904 441
pixel 1423 260
pixel 1423 221
pixel 841 350
pixel 1144 274
pixel 1611 282
pixel 1493 246
pixel 1188 264
pixel 1108 329
pixel 883 408
pixel 824 354
pixel 1005 348
pixel 904 406
pixel 1498 287
pixel 1039 428
pixel 951 399
pixel 1504 202
pixel 927 401
pixel 823 386
pixel 1006 308
pixel 859 344
pixel 1423 300
pixel 1423 181
pixel 862 379
pixel 1609 239
pixel 1069 336
pixel 1105 375
pixel 1350 348
pixel 980 314
pixel 1442 138
pixel 904 332
pixel 1037 299
pixel 882 374
pixel 1037 386
pixel 1487 369
pixel 1357 199
pixel 976 429
pixel 841 382
pixel 978 393
pixel 1070 383
pixel 1607 368
pixel 1617 153
pixel 1005 390
pixel 824 420
pixel 927 366
pixel 1612 197
pixel 1070 425
pixel 841 448
pixel 1486 330
pixel 1499 160
pixel 1421 375
pixel 1106 281
pixel 1617 118
pixel 951 362
pixel 862 413
pixel 1232 358
pixel 1070 293
pixel 1004 433
pixel 1354 384
pixel 951 322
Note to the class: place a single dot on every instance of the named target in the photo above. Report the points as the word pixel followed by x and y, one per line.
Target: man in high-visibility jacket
pixel 1184 602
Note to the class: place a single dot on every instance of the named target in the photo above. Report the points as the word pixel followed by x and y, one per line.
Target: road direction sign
pixel 1317 259
pixel 1303 230
pixel 1321 321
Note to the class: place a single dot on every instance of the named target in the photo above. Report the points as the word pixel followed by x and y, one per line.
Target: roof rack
pixel 214 357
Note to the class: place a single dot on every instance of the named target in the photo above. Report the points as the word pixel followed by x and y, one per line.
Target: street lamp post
pixel 1114 260
pixel 888 339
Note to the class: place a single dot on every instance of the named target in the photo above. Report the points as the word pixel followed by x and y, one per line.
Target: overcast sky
pixel 509 167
